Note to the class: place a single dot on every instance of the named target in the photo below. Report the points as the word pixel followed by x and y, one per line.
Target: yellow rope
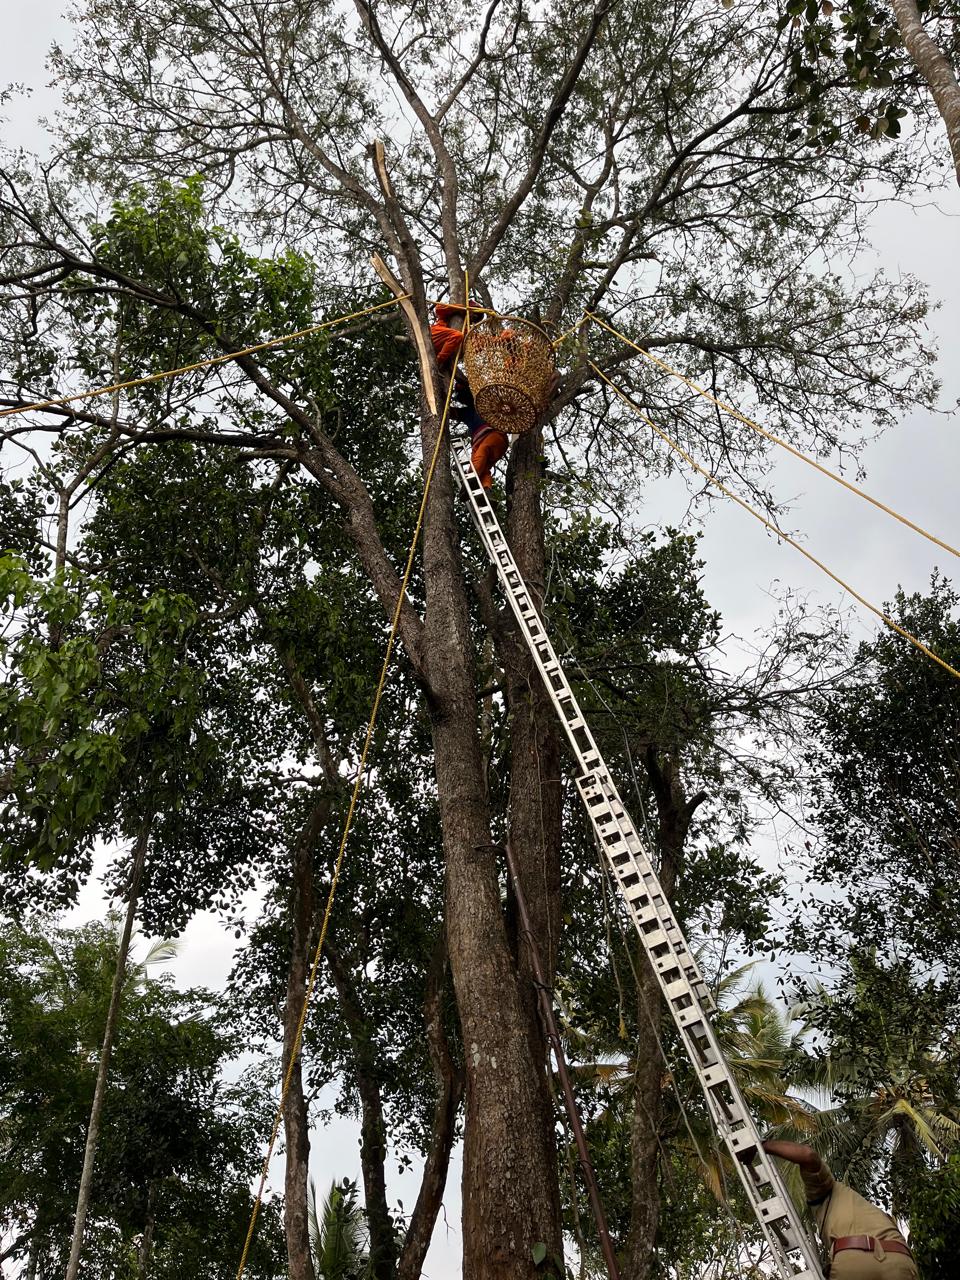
pixel 311 982
pixel 768 435
pixel 200 364
pixel 712 479
pixel 574 328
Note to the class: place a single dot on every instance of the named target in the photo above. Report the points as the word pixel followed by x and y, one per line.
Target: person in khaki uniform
pixel 863 1241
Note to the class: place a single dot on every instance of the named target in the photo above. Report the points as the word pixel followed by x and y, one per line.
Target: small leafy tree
pixel 935 1221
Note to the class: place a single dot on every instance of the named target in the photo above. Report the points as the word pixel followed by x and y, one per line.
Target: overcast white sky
pixel 914 468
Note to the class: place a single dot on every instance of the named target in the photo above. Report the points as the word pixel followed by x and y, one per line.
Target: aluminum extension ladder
pixel 687 996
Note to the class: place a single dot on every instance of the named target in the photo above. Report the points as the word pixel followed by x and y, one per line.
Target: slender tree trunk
pixel 296 1127
pixel 100 1089
pixel 33 1257
pixel 373 1129
pixel 145 1252
pixel 510 1198
pixel 536 738
pixel 674 814
pixel 449 1096
pixel 935 68
pixel 637 1260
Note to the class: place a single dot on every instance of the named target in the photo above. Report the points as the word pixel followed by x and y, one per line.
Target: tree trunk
pixel 33 1257
pixel 674 814
pixel 100 1089
pixel 145 1252
pixel 373 1129
pixel 935 69
pixel 296 1128
pixel 449 1096
pixel 510 1196
pixel 637 1259
pixel 536 738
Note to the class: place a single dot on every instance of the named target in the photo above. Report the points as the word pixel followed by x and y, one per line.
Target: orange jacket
pixel 447 341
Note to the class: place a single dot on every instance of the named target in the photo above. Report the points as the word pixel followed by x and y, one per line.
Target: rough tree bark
pixel 536 743
pixel 509 1167
pixel 674 815
pixel 935 68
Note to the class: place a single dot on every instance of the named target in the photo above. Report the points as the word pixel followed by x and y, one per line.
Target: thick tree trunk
pixel 935 69
pixel 510 1198
pixel 449 1096
pixel 109 1031
pixel 296 1128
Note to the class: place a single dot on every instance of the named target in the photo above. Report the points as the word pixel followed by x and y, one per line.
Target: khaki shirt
pixel 843 1212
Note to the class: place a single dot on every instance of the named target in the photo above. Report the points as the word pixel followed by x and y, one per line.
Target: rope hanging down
pixel 768 435
pixel 348 823
pixel 785 537
pixel 199 364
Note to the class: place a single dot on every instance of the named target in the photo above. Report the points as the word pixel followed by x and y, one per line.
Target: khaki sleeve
pixel 817 1183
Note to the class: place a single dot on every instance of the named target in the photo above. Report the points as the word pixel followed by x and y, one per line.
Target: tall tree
pixel 179 1142
pixel 885 755
pixel 633 158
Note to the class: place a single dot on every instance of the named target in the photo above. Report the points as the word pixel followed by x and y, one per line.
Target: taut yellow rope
pixel 312 979
pixel 768 435
pixel 199 364
pixel 785 537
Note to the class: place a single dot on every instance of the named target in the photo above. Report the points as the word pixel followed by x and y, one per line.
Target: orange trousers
pixel 487 452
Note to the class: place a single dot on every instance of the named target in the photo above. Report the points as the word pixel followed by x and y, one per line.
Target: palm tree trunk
pixel 933 65
pixel 100 1089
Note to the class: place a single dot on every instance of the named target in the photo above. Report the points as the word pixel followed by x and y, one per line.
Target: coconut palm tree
pixel 760 1041
pixel 888 1086
pixel 338 1234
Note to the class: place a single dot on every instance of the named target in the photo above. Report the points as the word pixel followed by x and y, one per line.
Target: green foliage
pixel 97 719
pixel 338 1237
pixel 892 1063
pixel 885 756
pixel 857 39
pixel 935 1221
pixel 178 1145
pixel 162 234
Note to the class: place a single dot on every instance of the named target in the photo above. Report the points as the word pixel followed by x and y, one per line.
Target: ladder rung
pixel 632 867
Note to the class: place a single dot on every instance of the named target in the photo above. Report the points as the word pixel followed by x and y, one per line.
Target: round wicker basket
pixel 511 370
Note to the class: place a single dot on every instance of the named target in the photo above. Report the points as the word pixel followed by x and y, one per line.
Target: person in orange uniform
pixel 863 1241
pixel 447 341
pixel 487 444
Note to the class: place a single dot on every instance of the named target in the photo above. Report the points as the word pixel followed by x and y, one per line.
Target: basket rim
pixel 488 311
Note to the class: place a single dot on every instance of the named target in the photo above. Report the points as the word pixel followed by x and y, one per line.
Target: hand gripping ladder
pixel 678 974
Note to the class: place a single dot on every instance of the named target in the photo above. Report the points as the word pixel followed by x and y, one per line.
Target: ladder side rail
pixel 768 1197
pixel 558 686
pixel 498 550
pixel 677 973
pixel 628 855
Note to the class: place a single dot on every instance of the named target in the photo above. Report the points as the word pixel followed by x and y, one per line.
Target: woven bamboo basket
pixel 511 370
